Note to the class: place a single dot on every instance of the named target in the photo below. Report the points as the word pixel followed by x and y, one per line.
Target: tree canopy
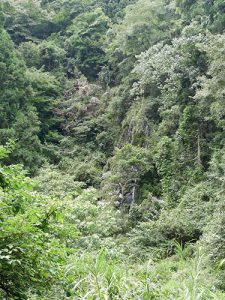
pixel 112 163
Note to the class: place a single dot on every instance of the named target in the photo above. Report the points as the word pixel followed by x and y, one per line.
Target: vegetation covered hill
pixel 112 161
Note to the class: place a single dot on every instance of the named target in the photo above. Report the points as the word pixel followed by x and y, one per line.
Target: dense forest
pixel 112 161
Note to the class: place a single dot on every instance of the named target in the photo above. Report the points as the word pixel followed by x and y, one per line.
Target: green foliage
pixel 86 40
pixel 125 170
pixel 16 109
pixel 185 223
pixel 30 54
pixel 211 89
pixel 207 13
pixel 25 20
pixel 117 108
pixel 31 256
pixel 144 24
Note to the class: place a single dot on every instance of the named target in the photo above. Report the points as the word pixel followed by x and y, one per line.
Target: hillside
pixel 112 161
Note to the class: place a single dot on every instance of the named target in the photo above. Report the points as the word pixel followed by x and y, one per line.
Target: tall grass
pixel 91 276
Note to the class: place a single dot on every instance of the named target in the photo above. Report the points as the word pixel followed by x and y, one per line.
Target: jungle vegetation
pixel 112 161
